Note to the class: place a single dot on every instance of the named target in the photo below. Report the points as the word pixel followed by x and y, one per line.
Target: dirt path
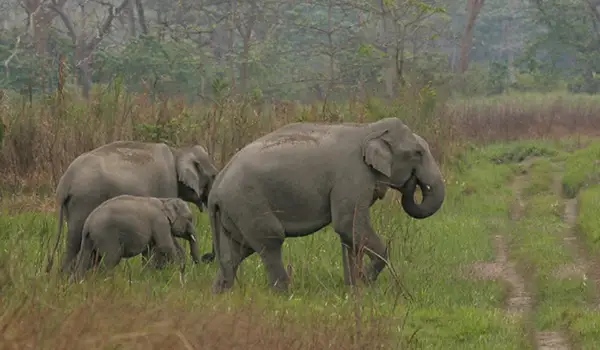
pixel 519 301
pixel 519 294
pixel 585 265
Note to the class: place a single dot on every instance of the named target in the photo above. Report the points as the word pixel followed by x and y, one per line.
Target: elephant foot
pixel 219 286
pixel 280 286
pixel 207 258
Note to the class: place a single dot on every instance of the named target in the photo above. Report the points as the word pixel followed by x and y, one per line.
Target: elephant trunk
pixel 190 232
pixel 433 197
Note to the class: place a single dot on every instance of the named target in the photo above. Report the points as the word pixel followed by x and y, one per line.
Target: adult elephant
pixel 304 176
pixel 133 168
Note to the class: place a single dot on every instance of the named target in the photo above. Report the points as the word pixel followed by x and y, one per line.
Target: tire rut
pixel 520 300
pixel 586 265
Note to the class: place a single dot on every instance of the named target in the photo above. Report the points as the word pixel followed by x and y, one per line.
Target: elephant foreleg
pixel 356 233
pixel 352 265
pixel 148 257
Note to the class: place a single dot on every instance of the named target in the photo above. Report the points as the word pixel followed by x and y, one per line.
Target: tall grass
pixel 43 134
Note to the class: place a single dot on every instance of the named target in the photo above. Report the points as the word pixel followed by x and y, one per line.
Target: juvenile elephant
pixel 124 226
pixel 296 180
pixel 134 168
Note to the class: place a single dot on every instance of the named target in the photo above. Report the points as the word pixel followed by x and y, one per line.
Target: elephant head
pixel 180 218
pixel 404 160
pixel 195 174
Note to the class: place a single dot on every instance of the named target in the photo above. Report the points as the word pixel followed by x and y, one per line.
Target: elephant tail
pixel 61 207
pixel 215 223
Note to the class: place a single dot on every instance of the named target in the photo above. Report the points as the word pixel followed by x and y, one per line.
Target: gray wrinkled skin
pixel 125 226
pixel 134 168
pixel 304 176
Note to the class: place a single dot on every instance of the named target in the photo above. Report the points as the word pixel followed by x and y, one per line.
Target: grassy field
pixel 510 262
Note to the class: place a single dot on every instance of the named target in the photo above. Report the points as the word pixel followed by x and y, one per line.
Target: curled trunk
pixel 433 197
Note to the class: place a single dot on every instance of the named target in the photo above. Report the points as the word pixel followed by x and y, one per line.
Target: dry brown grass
pixel 108 321
pixel 42 138
pixel 529 116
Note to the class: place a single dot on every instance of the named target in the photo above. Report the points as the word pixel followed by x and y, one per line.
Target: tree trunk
pixel 473 9
pixel 231 53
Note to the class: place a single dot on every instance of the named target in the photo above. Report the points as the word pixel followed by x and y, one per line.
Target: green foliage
pixel 498 78
pixel 147 63
pixel 588 220
pixel 541 178
pixel 516 152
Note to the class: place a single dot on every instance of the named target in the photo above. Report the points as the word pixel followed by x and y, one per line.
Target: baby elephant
pixel 125 226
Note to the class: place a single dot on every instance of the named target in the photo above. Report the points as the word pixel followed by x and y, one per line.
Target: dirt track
pixel 520 301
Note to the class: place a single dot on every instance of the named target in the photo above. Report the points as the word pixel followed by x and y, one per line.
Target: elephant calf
pixel 125 226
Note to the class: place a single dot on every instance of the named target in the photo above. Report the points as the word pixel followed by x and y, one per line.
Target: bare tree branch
pixel 12 55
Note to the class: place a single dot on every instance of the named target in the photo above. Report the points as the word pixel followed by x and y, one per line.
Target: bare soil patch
pixel 551 341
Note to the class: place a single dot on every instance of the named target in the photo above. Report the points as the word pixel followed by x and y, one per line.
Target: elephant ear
pixel 187 173
pixel 377 153
pixel 171 209
pixel 175 208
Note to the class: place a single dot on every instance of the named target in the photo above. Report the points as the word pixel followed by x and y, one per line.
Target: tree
pixel 473 9
pixel 85 42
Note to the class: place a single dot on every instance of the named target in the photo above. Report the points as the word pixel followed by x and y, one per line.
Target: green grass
pixel 448 309
pixel 582 169
pixel 588 221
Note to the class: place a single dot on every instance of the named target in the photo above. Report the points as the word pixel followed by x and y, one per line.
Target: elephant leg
pixel 351 264
pixel 266 238
pixel 356 232
pixel 374 247
pixel 85 259
pixel 148 257
pixel 378 254
pixel 110 251
pixel 271 257
pixel 167 246
pixel 110 260
pixel 230 260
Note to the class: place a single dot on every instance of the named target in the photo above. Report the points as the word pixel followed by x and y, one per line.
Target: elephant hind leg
pixel 232 254
pixel 110 259
pixel 110 252
pixel 266 238
pixel 85 259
